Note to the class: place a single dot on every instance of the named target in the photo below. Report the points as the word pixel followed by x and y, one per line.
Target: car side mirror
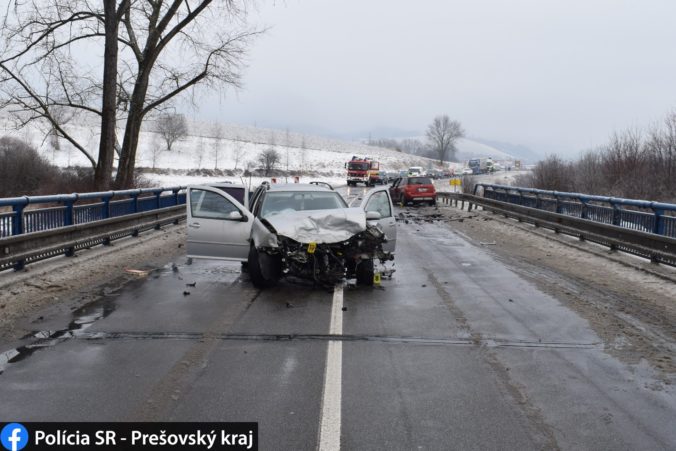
pixel 372 215
pixel 236 216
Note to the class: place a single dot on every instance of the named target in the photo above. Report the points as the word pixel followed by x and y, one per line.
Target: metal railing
pixel 61 224
pixel 596 226
pixel 645 216
pixel 81 208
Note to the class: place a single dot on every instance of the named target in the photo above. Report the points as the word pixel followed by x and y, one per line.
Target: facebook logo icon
pixel 14 437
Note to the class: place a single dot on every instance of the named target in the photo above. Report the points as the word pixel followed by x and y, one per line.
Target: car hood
pixel 319 226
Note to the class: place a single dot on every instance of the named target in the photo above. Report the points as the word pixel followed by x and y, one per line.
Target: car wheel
pixel 433 203
pixel 365 273
pixel 264 270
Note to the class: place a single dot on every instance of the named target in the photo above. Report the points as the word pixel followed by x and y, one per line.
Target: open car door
pixel 218 225
pixel 379 200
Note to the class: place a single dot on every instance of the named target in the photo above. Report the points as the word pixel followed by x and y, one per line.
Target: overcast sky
pixel 558 76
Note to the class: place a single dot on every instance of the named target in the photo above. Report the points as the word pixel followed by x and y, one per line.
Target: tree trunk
pixel 127 164
pixel 104 165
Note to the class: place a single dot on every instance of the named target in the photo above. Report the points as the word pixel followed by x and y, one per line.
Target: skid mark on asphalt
pixel 539 430
pixel 167 393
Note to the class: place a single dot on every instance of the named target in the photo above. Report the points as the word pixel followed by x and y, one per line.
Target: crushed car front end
pixel 324 246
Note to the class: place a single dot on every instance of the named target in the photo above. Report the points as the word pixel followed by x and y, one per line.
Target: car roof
pixel 297 187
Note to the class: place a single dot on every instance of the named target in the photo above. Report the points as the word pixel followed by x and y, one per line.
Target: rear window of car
pixel 299 201
pixel 419 181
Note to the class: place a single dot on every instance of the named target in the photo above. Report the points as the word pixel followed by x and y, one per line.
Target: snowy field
pixel 225 147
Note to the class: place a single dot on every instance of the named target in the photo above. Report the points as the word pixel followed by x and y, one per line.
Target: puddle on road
pixel 82 319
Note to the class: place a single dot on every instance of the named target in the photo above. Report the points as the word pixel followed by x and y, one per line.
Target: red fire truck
pixel 362 170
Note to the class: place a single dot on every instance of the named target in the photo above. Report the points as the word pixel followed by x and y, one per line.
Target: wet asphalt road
pixel 454 352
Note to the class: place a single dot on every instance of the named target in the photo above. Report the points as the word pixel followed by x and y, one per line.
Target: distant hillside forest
pixel 635 164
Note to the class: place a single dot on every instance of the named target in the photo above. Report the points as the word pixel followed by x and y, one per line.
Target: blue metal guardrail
pixel 91 207
pixel 652 217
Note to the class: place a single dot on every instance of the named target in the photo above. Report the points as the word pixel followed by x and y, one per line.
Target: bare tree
pixel 171 128
pixel 156 148
pixel 443 133
pixel 632 164
pixel 61 116
pixel 216 145
pixel 269 159
pixel 199 154
pixel 237 151
pixel 165 49
pixel 303 155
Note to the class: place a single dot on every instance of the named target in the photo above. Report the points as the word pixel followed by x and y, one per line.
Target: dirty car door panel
pixel 218 226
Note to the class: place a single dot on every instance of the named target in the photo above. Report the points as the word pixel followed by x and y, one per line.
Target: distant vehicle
pixel 467 171
pixel 413 189
pixel 302 230
pixel 383 177
pixel 362 170
pixel 415 170
pixel 436 174
pixel 403 173
pixel 391 175
pixel 481 165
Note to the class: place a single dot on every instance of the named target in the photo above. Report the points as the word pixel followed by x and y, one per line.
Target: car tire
pixel 365 272
pixel 433 203
pixel 264 270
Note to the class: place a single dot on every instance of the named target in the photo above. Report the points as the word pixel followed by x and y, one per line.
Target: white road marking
pixel 329 426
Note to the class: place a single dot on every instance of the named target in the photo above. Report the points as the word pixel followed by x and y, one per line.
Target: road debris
pixel 136 272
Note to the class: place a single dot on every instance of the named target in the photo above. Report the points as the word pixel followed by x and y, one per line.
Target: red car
pixel 413 189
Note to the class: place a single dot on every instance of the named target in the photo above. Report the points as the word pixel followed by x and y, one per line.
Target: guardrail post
pixel 68 220
pixel 659 221
pixel 583 209
pixel 538 201
pixel 134 208
pixel 557 204
pixel 157 206
pixel 68 212
pixel 17 229
pixel 175 191
pixel 106 207
pixel 17 220
pixel 134 203
pixel 617 214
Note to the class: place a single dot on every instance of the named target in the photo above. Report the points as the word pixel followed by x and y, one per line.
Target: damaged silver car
pixel 301 230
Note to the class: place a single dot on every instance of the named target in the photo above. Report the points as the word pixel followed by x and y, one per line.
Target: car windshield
pixel 280 202
pixel 419 181
pixel 358 166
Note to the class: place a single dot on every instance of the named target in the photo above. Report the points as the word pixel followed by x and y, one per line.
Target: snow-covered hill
pixel 216 146
pixel 226 150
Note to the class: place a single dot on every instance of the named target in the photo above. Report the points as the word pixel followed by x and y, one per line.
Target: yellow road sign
pixel 311 247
